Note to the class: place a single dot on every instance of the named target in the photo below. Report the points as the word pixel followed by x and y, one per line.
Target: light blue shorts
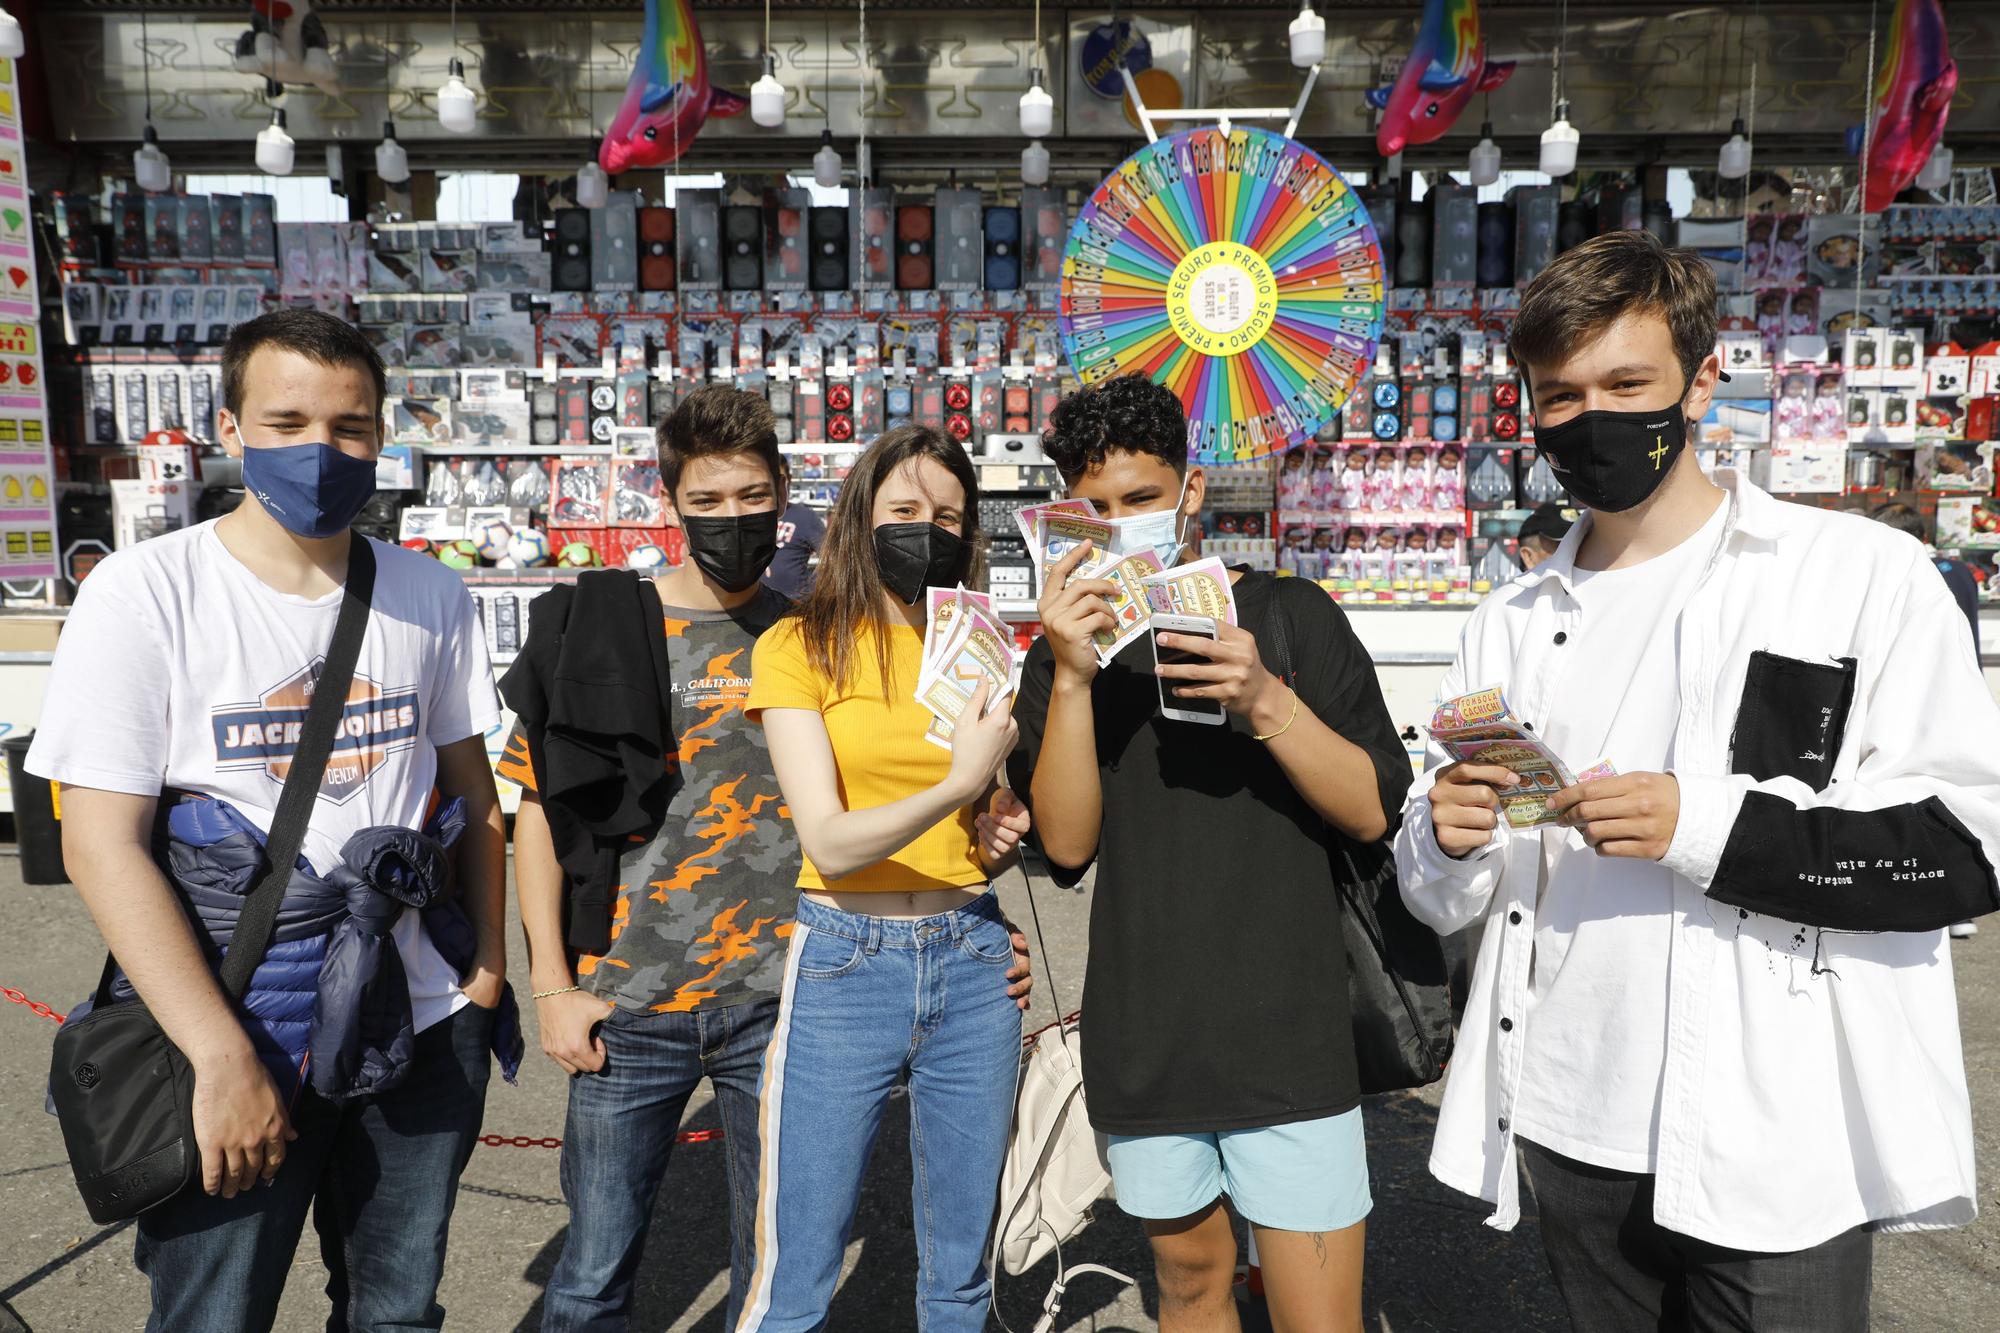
pixel 1308 1176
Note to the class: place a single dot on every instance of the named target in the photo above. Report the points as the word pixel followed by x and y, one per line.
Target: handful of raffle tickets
pixel 1198 589
pixel 1145 585
pixel 1481 728
pixel 964 643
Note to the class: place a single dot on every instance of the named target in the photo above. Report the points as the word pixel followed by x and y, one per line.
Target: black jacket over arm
pixel 591 689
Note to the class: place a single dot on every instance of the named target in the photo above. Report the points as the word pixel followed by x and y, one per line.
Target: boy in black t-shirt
pixel 1218 1053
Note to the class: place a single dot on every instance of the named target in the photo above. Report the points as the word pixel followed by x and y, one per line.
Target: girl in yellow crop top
pixel 887 819
pixel 897 969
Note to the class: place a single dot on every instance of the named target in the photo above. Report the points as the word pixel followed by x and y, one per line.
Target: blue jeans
pixel 870 1003
pixel 619 1135
pixel 386 1169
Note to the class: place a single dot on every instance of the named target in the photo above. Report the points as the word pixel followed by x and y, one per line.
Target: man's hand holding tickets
pixel 1465 807
pixel 1632 814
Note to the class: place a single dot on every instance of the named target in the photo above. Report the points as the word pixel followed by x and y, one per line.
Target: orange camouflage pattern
pixel 695 922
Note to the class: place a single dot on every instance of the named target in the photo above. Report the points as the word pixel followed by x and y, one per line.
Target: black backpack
pixel 1397 985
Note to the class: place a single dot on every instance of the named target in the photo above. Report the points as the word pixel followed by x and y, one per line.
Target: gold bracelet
pixel 1288 721
pixel 560 990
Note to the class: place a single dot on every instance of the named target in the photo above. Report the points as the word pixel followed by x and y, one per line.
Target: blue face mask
pixel 1161 531
pixel 313 490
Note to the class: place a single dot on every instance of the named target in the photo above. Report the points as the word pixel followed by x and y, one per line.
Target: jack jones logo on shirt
pixel 265 734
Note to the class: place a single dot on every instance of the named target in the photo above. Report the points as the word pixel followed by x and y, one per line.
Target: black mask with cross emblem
pixel 1613 461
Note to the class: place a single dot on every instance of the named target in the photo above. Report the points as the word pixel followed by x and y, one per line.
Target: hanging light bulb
pixel 826 162
pixel 1038 109
pixel 275 149
pixel 150 167
pixel 1035 164
pixel 767 96
pixel 457 107
pixel 1559 143
pixel 1484 162
pixel 12 44
pixel 1308 33
pixel 593 186
pixel 392 162
pixel 1733 162
pixel 1936 173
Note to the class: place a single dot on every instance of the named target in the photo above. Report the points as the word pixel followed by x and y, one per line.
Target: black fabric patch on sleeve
pixel 1793 718
pixel 1907 867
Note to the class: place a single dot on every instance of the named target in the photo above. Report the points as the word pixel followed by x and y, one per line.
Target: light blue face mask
pixel 1161 530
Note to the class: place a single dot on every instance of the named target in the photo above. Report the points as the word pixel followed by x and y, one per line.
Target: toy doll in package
pixel 1295 549
pixel 1384 483
pixel 1294 481
pixel 1794 410
pixel 1448 480
pixel 1757 247
pixel 1829 412
pixel 1353 483
pixel 1416 480
pixel 1325 480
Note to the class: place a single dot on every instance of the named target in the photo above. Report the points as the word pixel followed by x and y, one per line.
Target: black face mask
pixel 733 550
pixel 1613 461
pixel 915 556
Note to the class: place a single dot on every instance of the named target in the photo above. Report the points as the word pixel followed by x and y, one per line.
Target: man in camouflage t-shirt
pixel 704 907
pixel 688 988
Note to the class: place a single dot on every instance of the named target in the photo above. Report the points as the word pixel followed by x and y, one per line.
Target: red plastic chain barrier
pixel 34 1006
pixel 1029 1040
pixel 523 1141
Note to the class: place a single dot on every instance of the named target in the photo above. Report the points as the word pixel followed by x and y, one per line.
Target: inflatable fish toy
pixel 669 98
pixel 1912 101
pixel 1444 69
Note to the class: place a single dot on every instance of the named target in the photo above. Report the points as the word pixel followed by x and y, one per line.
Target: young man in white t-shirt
pixel 1713 1006
pixel 184 667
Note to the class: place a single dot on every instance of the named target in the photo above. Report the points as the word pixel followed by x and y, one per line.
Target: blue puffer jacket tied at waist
pixel 330 1001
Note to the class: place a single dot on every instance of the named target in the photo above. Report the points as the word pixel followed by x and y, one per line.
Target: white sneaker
pixel 1964 930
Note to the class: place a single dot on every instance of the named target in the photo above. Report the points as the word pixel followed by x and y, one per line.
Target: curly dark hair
pixel 1130 413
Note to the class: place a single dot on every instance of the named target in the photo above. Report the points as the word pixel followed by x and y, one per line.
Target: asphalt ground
pixel 1431 1263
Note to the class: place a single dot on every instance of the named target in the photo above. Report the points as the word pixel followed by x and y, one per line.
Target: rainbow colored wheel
pixel 1237 269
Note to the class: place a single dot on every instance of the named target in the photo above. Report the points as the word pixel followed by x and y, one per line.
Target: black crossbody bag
pixel 122 1091
pixel 1397 985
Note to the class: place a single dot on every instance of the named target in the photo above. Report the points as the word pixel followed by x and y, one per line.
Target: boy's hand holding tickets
pixel 1465 808
pixel 1073 609
pixel 1632 814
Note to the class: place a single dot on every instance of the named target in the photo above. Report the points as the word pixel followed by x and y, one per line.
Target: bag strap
pixel 1281 634
pixel 1041 941
pixel 1283 642
pixel 259 917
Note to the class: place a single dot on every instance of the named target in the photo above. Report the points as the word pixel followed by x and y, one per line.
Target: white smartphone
pixel 1184 710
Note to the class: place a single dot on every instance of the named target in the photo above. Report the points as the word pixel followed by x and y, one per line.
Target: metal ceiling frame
pixel 939 104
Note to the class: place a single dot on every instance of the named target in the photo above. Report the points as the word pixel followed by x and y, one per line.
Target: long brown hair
pixel 847 590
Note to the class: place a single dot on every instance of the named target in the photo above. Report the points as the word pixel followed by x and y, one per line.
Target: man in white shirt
pixel 1713 1006
pixel 185 667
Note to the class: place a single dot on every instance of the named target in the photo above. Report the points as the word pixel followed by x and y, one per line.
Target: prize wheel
pixel 1237 269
